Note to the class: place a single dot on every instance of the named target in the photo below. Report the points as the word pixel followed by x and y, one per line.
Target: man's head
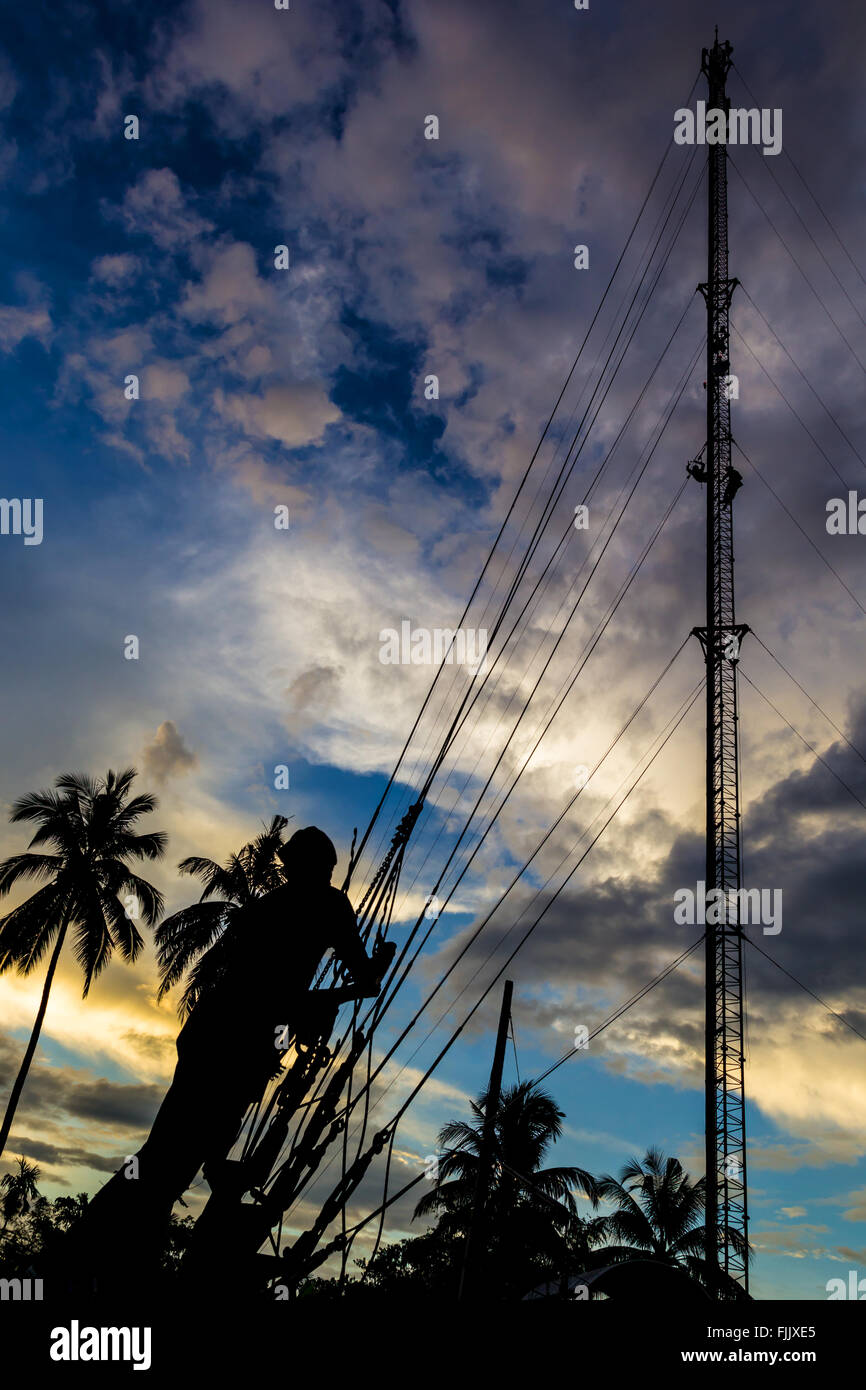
pixel 310 854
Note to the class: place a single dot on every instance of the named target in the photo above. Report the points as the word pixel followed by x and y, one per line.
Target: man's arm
pixel 343 937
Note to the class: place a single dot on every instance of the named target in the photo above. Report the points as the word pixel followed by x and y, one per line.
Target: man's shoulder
pixel 266 903
pixel 293 898
pixel 338 903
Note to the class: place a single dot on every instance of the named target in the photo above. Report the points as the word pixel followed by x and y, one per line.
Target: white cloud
pixel 116 270
pixel 295 414
pixel 250 64
pixel 16 324
pixel 164 381
pixel 231 288
pixel 155 206
pixel 167 755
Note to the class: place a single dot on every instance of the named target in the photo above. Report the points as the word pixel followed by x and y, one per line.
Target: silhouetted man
pixel 230 1045
pixel 733 483
pixel 697 470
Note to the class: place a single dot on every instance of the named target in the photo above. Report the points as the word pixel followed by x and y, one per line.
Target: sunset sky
pixel 259 647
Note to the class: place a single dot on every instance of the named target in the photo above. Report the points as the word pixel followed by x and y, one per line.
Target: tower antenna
pixel 725 1126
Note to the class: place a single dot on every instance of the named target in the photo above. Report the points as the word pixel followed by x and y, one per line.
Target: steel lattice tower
pixel 720 639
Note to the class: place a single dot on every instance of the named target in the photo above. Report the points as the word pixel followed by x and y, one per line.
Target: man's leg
pixel 124 1230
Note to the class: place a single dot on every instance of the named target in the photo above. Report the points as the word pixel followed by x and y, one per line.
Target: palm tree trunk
pixel 34 1040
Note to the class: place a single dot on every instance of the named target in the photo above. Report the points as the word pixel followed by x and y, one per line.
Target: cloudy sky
pixel 262 389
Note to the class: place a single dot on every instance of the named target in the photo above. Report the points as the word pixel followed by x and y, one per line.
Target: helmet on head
pixel 309 849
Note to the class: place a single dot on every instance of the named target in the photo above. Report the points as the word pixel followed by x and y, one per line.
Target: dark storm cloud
pixel 131 1106
pixel 54 1092
pixel 59 1156
pixel 611 936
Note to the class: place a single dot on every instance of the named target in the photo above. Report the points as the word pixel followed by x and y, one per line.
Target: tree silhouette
pixel 32 1235
pixel 92 891
pixel 19 1191
pixel 658 1214
pixel 197 940
pixel 531 1214
pixel 423 1266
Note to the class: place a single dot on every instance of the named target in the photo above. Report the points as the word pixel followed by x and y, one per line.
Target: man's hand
pixel 380 960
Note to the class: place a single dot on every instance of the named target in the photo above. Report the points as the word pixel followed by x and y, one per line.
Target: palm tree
pixel 658 1215
pixel 19 1190
pixel 89 824
pixel 197 939
pixel 531 1213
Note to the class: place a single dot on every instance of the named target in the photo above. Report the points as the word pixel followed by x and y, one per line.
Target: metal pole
pixel 477 1229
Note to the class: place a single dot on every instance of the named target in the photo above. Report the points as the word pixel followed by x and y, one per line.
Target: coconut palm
pixel 19 1190
pixel 657 1215
pixel 530 1211
pixel 196 940
pixel 91 890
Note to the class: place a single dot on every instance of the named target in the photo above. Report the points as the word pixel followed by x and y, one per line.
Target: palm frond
pixel 186 935
pixel 28 931
pixel 91 939
pixel 20 866
pixel 214 877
